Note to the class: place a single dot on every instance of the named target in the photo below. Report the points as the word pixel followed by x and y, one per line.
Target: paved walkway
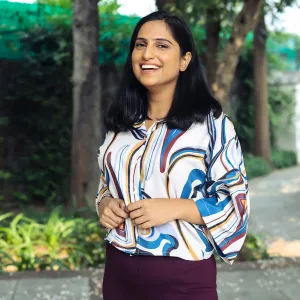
pixel 275 211
pixel 275 214
pixel 279 280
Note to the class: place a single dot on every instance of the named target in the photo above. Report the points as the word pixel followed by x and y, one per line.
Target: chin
pixel 148 84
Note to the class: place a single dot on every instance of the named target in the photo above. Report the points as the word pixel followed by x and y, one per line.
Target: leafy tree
pixel 219 71
pixel 87 132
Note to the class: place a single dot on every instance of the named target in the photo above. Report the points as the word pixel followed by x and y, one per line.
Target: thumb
pixel 123 206
pixel 120 202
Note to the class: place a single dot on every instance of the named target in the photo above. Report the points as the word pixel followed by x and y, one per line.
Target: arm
pixel 186 210
pixel 224 202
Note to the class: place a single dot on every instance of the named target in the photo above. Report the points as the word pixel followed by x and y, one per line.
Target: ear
pixel 185 60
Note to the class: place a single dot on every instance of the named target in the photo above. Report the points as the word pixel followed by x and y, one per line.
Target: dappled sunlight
pixel 292 187
pixel 283 248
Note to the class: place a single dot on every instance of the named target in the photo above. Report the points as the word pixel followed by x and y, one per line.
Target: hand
pixel 112 212
pixel 147 213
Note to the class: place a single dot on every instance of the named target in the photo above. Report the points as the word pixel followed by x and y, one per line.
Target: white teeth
pixel 149 67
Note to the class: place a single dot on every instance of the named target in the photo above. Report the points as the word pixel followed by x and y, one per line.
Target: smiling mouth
pixel 148 68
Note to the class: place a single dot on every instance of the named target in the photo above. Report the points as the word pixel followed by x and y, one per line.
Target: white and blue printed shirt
pixel 203 163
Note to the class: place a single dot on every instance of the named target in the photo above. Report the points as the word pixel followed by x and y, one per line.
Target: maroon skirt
pixel 157 277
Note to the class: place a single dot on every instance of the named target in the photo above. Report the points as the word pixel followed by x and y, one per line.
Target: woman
pixel 173 185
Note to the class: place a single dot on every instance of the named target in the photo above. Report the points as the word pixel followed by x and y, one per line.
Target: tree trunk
pixel 86 134
pixel 213 27
pixel 244 22
pixel 262 131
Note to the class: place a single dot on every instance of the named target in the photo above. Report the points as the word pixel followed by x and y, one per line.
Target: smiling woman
pixel 157 59
pixel 173 186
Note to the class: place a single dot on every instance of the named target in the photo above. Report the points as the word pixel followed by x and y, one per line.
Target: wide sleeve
pixel 224 204
pixel 103 190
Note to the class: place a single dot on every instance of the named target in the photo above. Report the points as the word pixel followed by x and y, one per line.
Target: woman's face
pixel 156 58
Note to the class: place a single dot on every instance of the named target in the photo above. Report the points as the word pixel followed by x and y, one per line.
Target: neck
pixel 159 103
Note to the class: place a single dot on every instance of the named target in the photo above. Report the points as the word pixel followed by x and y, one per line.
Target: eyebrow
pixel 157 39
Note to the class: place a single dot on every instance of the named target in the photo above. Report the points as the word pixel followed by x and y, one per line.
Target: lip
pixel 148 71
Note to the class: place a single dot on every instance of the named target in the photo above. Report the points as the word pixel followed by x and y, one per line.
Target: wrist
pixel 180 209
pixel 186 210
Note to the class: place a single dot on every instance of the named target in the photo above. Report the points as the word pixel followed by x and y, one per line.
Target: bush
pixel 57 243
pixel 253 249
pixel 281 100
pixel 283 159
pixel 39 114
pixel 255 166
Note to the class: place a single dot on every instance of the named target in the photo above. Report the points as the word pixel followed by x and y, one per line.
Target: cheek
pixel 172 65
pixel 135 56
pixel 134 64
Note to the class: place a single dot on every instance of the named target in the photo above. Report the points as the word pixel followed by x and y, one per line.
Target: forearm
pixel 186 209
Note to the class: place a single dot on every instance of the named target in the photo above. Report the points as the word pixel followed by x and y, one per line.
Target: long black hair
pixel 192 98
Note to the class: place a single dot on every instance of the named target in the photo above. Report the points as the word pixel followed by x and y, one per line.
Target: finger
pixel 141 220
pixel 146 225
pixel 109 215
pixel 135 205
pixel 119 212
pixel 122 204
pixel 115 218
pixel 109 212
pixel 108 224
pixel 136 214
pixel 124 208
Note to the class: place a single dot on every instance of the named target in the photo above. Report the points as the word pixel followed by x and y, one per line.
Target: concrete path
pixel 48 285
pixel 45 288
pixel 248 281
pixel 260 281
pixel 275 215
pixel 275 211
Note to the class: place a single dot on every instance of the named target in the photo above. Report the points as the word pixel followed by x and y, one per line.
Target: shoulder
pixel 109 137
pixel 221 127
pixel 212 125
pixel 214 132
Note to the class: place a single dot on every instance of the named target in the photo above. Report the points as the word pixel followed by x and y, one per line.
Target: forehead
pixel 155 29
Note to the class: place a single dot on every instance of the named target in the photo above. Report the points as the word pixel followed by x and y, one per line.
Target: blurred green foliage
pixel 283 159
pixel 255 166
pixel 253 249
pixel 281 101
pixel 39 113
pixel 56 242
pixel 37 110
pixel 52 242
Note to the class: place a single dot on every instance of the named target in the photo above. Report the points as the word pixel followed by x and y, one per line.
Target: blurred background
pixel 60 65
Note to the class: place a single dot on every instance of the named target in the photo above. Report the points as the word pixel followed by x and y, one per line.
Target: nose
pixel 148 53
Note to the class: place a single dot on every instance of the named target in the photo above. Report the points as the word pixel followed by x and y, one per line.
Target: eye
pixel 162 46
pixel 139 45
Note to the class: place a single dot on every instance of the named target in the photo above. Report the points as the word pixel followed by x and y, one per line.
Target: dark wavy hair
pixel 192 98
